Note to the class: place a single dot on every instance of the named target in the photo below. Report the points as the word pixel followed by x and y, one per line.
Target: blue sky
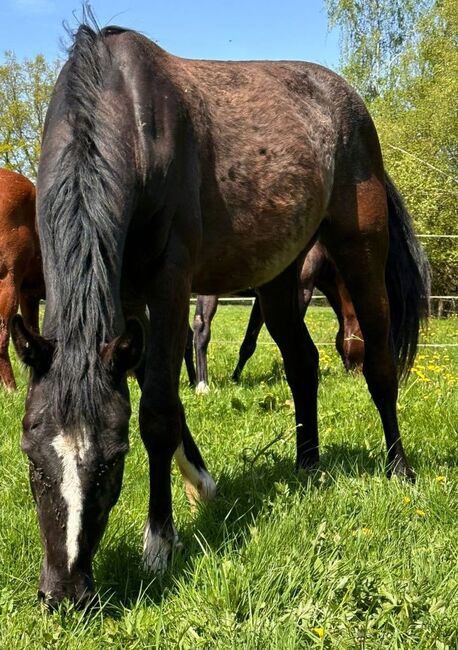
pixel 218 29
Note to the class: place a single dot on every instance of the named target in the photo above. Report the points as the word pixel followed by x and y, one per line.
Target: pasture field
pixel 336 558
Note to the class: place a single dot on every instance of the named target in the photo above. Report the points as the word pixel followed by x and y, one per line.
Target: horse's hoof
pixel 200 492
pixel 202 388
pixel 308 462
pixel 199 484
pixel 157 550
pixel 401 469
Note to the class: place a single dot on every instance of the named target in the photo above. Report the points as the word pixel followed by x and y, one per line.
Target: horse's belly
pixel 261 205
pixel 233 261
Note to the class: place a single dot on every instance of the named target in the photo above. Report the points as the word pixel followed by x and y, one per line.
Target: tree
pixel 416 115
pixel 25 89
pixel 417 122
pixel 373 33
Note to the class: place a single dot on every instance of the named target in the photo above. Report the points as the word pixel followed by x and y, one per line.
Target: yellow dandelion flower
pixel 440 479
pixel 366 531
pixel 420 513
pixel 406 500
pixel 319 631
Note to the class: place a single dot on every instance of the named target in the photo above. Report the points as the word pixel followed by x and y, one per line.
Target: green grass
pixel 339 558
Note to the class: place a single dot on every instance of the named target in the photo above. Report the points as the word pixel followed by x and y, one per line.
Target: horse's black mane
pixel 80 237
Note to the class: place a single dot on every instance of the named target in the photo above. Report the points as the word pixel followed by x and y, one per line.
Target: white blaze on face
pixel 72 449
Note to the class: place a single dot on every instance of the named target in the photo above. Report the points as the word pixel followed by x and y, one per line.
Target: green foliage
pixel 418 126
pixel 373 34
pixel 414 61
pixel 338 558
pixel 25 89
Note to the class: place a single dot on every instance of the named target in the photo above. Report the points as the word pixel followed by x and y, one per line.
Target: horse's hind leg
pixel 8 307
pixel 30 306
pixel 189 358
pixel 205 311
pixel 279 302
pixel 349 341
pixel 358 242
pixel 251 336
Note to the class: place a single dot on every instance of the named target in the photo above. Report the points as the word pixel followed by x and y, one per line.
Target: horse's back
pixel 252 150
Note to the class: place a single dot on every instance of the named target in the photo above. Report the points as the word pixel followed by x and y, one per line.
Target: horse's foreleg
pixel 251 337
pixel 162 423
pixel 279 301
pixel 205 311
pixel 8 307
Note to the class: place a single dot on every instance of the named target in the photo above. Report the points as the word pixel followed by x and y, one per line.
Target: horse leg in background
pixel 306 283
pixel 8 308
pixel 360 254
pixel 248 346
pixel 279 303
pixel 162 422
pixel 349 338
pixel 189 358
pixel 205 311
pixel 30 307
pixel 308 272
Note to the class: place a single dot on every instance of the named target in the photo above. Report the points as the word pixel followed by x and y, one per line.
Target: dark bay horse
pixel 21 275
pixel 316 270
pixel 160 176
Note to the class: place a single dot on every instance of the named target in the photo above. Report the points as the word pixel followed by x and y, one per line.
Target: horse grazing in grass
pixel 21 276
pixel 316 270
pixel 160 176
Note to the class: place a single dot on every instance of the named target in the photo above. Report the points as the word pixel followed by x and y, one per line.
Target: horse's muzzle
pixel 79 591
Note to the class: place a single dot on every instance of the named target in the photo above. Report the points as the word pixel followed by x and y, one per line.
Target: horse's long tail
pixel 407 279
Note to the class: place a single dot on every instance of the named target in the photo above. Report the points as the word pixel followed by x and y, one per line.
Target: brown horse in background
pixel 21 275
pixel 318 270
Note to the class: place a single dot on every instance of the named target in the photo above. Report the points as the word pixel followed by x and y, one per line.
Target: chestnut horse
pixel 21 276
pixel 160 176
pixel 317 270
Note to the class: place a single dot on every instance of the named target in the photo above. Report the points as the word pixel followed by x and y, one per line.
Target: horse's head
pixel 75 470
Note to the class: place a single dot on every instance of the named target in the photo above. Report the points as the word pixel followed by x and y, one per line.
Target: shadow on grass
pixel 270 377
pixel 242 497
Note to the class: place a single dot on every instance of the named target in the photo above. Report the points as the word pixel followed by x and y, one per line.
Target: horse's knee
pixel 160 427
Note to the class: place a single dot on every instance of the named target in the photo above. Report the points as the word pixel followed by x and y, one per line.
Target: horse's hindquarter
pixel 267 169
pixel 17 223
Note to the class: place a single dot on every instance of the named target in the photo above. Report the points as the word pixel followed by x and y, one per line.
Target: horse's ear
pixel 125 352
pixel 33 350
